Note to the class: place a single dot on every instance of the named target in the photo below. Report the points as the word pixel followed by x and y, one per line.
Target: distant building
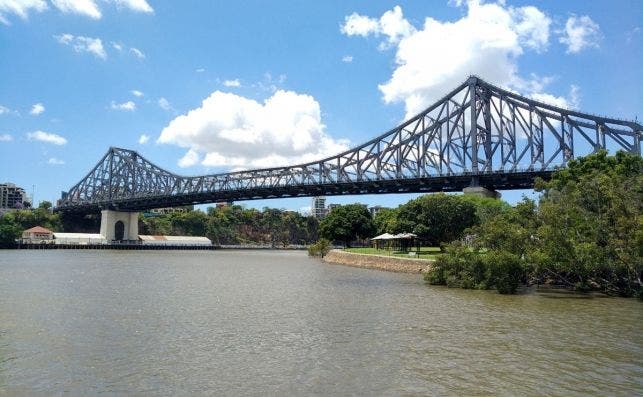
pixel 170 210
pixel 375 209
pixel 12 197
pixel 331 207
pixel 37 235
pixel 318 207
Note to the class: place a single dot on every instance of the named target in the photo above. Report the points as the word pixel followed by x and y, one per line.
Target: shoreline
pixel 377 262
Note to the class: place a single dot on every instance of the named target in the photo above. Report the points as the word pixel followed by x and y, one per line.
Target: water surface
pixel 279 323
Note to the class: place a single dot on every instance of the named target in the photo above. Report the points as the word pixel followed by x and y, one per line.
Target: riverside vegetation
pixel 585 233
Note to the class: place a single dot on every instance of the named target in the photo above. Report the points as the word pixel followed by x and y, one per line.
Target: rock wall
pixel 387 263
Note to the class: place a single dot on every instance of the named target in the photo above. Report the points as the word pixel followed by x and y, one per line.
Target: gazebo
pixel 403 238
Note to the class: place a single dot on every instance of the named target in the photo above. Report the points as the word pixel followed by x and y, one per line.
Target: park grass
pixel 429 253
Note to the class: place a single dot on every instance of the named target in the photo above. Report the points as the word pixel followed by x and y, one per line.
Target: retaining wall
pixel 387 263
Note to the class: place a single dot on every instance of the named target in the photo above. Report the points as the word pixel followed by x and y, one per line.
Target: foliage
pixel 13 223
pixel 320 248
pixel 586 232
pixel 235 224
pixel 486 207
pixel 436 218
pixel 347 223
pixel 385 221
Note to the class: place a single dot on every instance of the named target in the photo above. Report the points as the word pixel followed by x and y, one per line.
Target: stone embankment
pixel 387 263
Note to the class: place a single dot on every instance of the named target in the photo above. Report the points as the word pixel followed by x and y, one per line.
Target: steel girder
pixel 477 134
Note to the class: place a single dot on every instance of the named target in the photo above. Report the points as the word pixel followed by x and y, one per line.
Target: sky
pixel 201 87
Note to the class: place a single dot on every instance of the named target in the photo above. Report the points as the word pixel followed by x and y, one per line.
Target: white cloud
pixel 20 8
pixel 191 158
pixel 200 70
pixel 4 110
pixel 82 7
pixel 55 161
pixel 580 32
pixel 6 138
pixel 391 24
pixel 164 104
pixel 359 25
pixel 143 139
pixel 88 8
pixel 137 93
pixel 433 60
pixel 232 83
pixel 117 46
pixel 137 53
pixel 46 137
pixel 347 58
pixel 83 44
pixel 135 5
pixel 127 106
pixel 37 109
pixel 234 131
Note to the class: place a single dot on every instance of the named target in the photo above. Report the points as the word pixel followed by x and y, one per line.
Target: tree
pixel 347 223
pixel 436 218
pixel 385 221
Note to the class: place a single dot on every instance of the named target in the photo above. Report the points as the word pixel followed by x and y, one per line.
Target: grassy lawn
pixel 425 252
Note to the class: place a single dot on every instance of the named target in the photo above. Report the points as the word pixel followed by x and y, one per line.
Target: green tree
pixel 347 223
pixel 385 221
pixel 436 218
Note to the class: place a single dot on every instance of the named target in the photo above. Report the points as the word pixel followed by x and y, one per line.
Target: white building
pixel 318 207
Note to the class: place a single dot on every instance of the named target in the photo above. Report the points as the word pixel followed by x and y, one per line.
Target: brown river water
pixel 278 323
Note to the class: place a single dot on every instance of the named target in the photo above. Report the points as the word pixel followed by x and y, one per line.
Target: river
pixel 279 323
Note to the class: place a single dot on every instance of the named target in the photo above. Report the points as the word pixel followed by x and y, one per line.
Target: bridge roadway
pixel 476 135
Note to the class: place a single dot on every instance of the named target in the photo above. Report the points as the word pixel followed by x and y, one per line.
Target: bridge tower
pixel 118 225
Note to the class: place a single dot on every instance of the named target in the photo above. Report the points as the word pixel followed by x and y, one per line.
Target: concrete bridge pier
pixel 118 225
pixel 481 191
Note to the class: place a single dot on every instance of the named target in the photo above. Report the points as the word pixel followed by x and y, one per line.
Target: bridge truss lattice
pixel 478 134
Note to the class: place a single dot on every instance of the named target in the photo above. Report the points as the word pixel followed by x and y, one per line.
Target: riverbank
pixel 378 262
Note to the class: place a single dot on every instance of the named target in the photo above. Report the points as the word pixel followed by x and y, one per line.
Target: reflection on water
pixel 253 323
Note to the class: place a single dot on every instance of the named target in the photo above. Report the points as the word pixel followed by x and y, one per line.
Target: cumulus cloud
pixel 117 46
pixel 55 161
pixel 137 53
pixel 233 131
pixel 4 110
pixel 347 58
pixel 432 60
pixel 127 106
pixel 200 70
pixel 191 158
pixel 46 137
pixel 37 109
pixel 143 139
pixel 20 8
pixel 136 93
pixel 580 32
pixel 83 44
pixel 391 24
pixel 164 104
pixel 232 83
pixel 6 138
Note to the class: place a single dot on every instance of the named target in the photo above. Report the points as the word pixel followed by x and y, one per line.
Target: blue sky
pixel 207 86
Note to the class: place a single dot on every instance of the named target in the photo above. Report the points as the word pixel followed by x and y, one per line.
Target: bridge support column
pixel 481 192
pixel 117 225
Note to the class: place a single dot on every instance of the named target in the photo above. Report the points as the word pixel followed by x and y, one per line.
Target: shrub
pixel 320 248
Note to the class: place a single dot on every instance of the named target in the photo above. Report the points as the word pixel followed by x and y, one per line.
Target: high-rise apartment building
pixel 318 207
pixel 12 196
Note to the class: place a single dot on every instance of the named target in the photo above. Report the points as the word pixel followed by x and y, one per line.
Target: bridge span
pixel 476 135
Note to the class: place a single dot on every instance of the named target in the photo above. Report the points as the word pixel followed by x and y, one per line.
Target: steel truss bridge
pixel 476 135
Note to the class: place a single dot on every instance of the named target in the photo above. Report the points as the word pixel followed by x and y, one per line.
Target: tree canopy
pixel 347 223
